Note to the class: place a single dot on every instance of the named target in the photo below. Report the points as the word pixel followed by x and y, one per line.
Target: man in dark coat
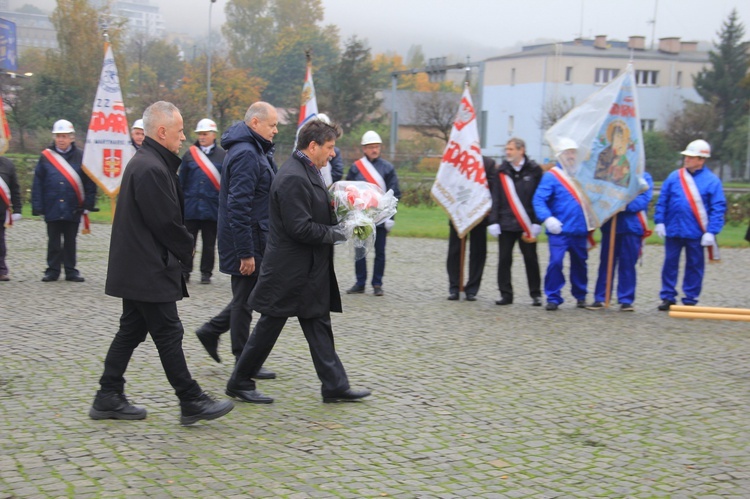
pixel 247 174
pixel 62 193
pixel 149 242
pixel 200 177
pixel 10 207
pixel 477 251
pixel 512 215
pixel 297 276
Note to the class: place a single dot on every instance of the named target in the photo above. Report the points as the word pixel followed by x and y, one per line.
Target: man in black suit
pixel 149 242
pixel 297 277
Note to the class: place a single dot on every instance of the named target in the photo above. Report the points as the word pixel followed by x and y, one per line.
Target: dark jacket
pixel 386 171
pixel 297 276
pixel 149 238
pixel 526 180
pixel 246 178
pixel 201 197
pixel 337 165
pixel 8 174
pixel 53 196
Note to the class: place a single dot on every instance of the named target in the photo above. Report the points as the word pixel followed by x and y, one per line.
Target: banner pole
pixel 610 261
pixel 461 265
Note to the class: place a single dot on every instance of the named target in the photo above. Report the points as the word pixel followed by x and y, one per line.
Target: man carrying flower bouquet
pixel 297 277
pixel 375 170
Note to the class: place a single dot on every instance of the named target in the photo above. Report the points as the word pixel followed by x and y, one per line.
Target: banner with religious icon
pixel 605 131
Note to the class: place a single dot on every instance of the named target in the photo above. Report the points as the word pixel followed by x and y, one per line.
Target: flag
pixel 4 129
pixel 611 158
pixel 108 147
pixel 461 183
pixel 309 106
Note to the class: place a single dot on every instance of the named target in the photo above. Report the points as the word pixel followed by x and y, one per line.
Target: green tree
pixel 353 85
pixel 249 30
pixel 721 86
pixel 296 13
pixel 155 72
pixel 661 159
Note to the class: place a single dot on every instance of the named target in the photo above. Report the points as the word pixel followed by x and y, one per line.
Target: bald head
pixel 263 119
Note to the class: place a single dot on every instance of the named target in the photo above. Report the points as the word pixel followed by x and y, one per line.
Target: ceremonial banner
pixel 610 158
pixel 8 49
pixel 4 129
pixel 461 183
pixel 108 147
pixel 308 110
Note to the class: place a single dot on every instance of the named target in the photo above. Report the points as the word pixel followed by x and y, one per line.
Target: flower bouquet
pixel 359 207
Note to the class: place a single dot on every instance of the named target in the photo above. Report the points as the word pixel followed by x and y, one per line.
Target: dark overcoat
pixel 149 238
pixel 297 276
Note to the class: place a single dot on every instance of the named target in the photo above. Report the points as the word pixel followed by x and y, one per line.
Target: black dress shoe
pixel 355 290
pixel 536 301
pixel 210 343
pixel 265 374
pixel 251 396
pixel 552 307
pixel 347 396
pixel 113 405
pixel 49 278
pixel 377 291
pixel 504 301
pixel 205 278
pixel 665 304
pixel 203 407
pixel 75 278
pixel 581 304
pixel 453 296
pixel 471 297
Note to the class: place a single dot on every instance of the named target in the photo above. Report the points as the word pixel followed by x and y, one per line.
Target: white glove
pixel 16 217
pixel 554 226
pixel 708 239
pixel 660 230
pixel 389 224
pixel 536 229
pixel 85 212
pixel 494 230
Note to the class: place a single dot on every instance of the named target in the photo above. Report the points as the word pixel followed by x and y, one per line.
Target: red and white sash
pixel 73 178
pixel 5 196
pixel 695 200
pixel 568 183
pixel 509 187
pixel 643 219
pixel 206 165
pixel 370 173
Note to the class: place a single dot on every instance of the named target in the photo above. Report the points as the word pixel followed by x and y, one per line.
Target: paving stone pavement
pixel 469 399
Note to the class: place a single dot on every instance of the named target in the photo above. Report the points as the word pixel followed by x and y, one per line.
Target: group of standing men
pixel 689 214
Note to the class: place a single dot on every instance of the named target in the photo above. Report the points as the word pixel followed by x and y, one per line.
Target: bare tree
pixel 554 109
pixel 435 113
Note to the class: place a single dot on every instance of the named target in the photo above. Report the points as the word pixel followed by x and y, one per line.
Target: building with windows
pixel 525 92
pixel 32 30
pixel 143 16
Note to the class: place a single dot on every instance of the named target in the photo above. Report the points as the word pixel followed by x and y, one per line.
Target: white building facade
pixel 519 90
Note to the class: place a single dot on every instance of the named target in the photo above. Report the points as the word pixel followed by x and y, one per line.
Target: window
pixel 512 77
pixel 646 78
pixel 679 79
pixel 648 125
pixel 569 74
pixel 604 75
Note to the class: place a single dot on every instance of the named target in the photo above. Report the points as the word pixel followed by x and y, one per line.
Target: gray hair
pixel 259 110
pixel 158 114
pixel 519 143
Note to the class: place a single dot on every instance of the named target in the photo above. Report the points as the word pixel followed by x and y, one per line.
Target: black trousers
pixel 319 336
pixel 507 240
pixel 163 323
pixel 477 257
pixel 207 228
pixel 237 315
pixel 61 252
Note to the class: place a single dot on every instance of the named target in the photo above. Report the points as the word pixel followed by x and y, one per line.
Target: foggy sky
pixel 483 28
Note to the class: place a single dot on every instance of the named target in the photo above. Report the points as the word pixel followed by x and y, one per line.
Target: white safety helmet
pixel 699 148
pixel 63 126
pixel 324 118
pixel 206 125
pixel 138 124
pixel 371 137
pixel 564 144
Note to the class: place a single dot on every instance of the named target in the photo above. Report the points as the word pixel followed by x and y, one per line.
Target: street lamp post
pixel 208 71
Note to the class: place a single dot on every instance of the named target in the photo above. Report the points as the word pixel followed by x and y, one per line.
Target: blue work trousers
pixel 627 248
pixel 360 264
pixel 692 281
pixel 554 280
